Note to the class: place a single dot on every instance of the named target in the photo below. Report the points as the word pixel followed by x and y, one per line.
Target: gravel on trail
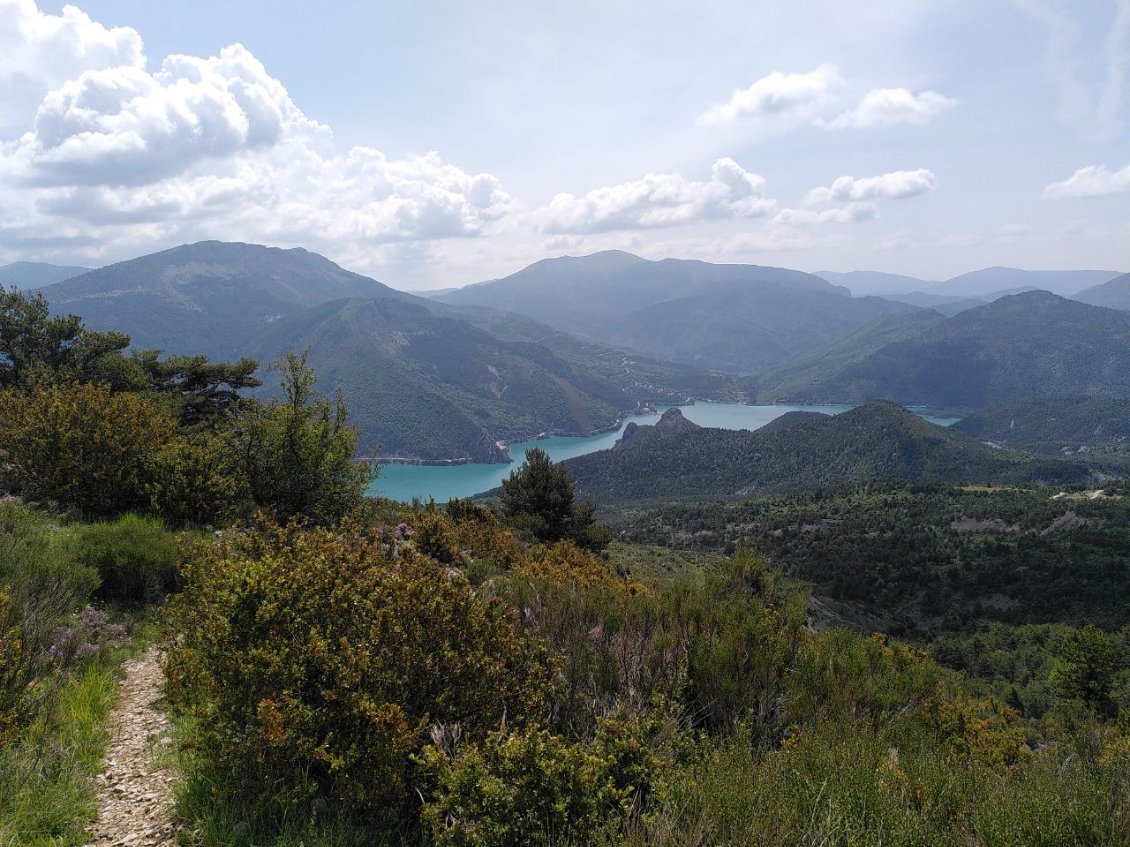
pixel 135 803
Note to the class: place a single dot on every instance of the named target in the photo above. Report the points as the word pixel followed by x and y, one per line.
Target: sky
pixel 435 144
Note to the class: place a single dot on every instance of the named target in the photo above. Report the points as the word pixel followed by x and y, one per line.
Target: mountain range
pixel 984 284
pixel 423 381
pixel 800 451
pixel 567 345
pixel 733 318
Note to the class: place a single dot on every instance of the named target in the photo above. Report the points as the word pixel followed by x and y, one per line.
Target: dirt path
pixel 135 805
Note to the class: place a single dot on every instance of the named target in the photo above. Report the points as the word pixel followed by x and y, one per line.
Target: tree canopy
pixel 538 498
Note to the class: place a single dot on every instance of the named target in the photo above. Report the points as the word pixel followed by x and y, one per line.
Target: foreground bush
pixel 196 481
pixel 316 661
pixel 532 787
pixel 136 558
pixel 80 445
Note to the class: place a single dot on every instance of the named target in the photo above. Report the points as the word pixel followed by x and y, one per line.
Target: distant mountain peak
pixel 30 275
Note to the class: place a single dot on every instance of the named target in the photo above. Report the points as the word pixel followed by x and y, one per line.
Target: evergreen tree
pixel 537 498
pixel 297 455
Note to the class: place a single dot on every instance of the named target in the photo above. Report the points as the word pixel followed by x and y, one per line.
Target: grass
pixel 50 793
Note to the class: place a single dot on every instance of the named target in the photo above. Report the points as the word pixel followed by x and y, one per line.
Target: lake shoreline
pixel 504 446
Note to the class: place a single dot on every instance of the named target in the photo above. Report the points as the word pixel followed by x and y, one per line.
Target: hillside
pixel 435 387
pixel 1112 295
pixel 733 318
pixel 1097 427
pixel 676 459
pixel 800 374
pixel 26 276
pixel 639 377
pixel 1028 345
pixel 207 298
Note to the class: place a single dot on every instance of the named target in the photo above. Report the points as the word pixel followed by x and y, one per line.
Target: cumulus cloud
pixel 204 147
pixel 781 97
pixel 124 126
pixel 39 52
pixel 660 200
pixel 1091 181
pixel 851 213
pixel 887 106
pixel 825 99
pixel 890 186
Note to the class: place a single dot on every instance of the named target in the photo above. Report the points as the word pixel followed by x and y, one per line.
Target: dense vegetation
pixel 695 709
pixel 925 558
pixel 1093 429
pixel 675 459
pixel 356 672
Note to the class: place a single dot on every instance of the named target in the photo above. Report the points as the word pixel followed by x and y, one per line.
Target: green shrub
pixel 532 787
pixel 80 445
pixel 196 481
pixel 297 455
pixel 316 661
pixel 719 643
pixel 136 558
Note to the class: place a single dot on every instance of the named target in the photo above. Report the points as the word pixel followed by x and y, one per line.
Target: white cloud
pixel 890 186
pixel 825 99
pixel 851 213
pixel 206 148
pixel 660 200
pixel 124 126
pixel 39 52
pixel 1091 181
pixel 887 106
pixel 781 98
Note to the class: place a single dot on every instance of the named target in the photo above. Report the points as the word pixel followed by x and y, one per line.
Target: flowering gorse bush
pixel 317 660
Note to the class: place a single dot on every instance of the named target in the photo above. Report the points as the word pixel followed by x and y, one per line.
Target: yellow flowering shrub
pixel 317 659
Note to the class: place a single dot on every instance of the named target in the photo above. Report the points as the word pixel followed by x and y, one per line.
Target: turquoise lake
pixel 443 482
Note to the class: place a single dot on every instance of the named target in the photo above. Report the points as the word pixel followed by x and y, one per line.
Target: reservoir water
pixel 443 482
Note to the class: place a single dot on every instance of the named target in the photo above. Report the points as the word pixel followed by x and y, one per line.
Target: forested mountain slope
pixel 676 459
pixel 1024 346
